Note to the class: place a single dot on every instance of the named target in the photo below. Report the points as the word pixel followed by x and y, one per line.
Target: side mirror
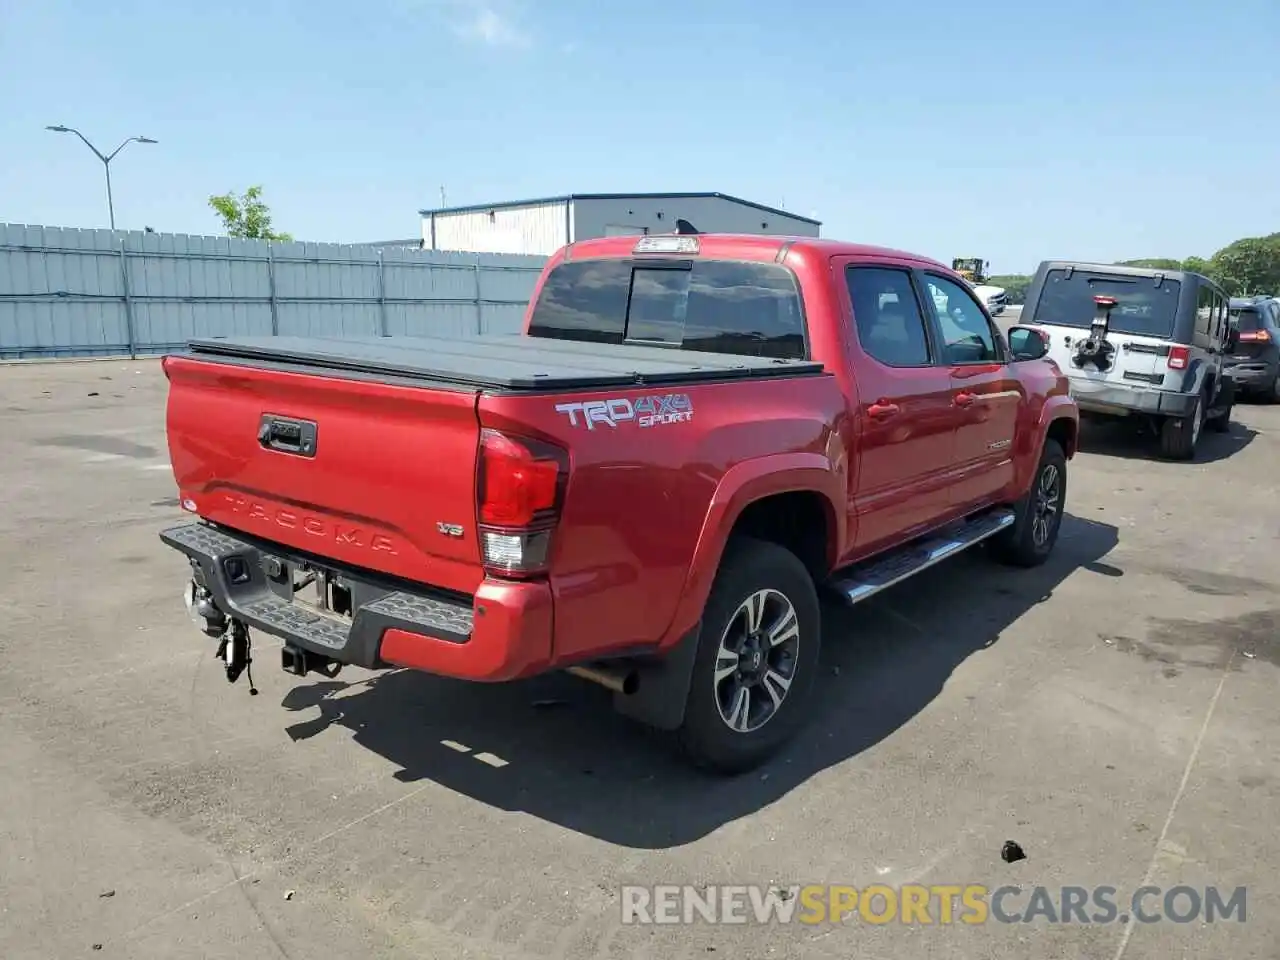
pixel 1027 343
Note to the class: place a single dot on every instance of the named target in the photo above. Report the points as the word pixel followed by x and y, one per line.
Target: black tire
pixel 1220 422
pixel 1180 436
pixel 1028 543
pixel 751 568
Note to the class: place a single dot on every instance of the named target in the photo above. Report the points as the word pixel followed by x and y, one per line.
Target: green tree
pixel 1015 286
pixel 1152 263
pixel 1250 265
pixel 1198 265
pixel 246 216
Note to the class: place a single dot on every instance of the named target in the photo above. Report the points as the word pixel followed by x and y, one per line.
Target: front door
pixel 986 395
pixel 905 420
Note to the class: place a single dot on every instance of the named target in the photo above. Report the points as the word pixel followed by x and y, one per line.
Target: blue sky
pixel 1009 130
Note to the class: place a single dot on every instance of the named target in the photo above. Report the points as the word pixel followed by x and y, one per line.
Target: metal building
pixel 543 226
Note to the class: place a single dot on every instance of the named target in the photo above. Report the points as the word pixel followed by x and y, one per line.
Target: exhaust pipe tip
pixel 625 682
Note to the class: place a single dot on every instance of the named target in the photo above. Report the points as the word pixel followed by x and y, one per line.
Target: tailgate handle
pixel 287 435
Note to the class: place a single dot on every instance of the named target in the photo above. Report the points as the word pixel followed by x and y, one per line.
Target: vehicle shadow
pixel 1129 441
pixel 552 748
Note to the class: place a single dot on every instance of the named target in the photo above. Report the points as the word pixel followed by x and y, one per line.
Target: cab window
pixel 887 316
pixel 717 306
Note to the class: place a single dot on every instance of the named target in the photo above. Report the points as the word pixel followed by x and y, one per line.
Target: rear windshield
pixel 1142 308
pixel 1247 319
pixel 716 306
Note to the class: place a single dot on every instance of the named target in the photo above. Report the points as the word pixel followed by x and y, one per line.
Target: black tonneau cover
pixel 501 362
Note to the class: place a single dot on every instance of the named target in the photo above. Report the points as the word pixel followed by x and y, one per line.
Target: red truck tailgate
pixel 387 483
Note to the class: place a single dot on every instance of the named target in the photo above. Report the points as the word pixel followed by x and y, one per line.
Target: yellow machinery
pixel 973 269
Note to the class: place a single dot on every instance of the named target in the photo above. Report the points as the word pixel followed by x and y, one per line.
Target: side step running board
pixel 868 578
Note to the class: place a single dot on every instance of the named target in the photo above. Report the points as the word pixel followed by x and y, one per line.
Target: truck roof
pixel 745 247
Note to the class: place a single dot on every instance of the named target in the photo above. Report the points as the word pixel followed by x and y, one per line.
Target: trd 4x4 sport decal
pixel 648 411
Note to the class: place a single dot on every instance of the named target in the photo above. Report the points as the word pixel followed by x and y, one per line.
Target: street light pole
pixel 106 160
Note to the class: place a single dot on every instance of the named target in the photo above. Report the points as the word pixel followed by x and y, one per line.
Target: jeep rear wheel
pixel 1179 435
pixel 756 659
pixel 1220 422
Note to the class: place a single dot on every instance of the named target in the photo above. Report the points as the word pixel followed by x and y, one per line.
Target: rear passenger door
pixel 985 394
pixel 904 417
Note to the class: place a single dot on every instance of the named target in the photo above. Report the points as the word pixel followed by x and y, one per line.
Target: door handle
pixel 882 409
pixel 964 399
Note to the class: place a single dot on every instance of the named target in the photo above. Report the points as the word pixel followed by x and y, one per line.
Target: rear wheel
pixel 1179 435
pixel 1031 539
pixel 1220 422
pixel 756 659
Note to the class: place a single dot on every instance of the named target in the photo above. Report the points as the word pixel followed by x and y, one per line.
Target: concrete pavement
pixel 1113 712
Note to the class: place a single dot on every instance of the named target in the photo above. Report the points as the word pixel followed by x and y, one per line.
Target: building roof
pixel 566 197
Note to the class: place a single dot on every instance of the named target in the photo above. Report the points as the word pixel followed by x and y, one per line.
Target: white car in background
pixel 995 299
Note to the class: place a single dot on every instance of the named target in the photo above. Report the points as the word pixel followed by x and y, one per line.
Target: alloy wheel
pixel 756 661
pixel 1045 509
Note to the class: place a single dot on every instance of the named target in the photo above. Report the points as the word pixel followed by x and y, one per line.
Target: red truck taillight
pixel 1179 357
pixel 519 492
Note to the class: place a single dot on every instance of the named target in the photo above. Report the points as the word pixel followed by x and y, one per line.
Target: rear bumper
pixel 501 633
pixel 1253 374
pixel 1121 400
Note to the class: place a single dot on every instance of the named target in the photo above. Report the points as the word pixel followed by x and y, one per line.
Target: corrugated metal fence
pixel 66 292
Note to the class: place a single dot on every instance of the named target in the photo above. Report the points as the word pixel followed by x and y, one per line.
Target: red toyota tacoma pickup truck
pixel 694 435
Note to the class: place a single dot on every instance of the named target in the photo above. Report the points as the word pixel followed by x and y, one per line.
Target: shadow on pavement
pixel 553 748
pixel 1133 441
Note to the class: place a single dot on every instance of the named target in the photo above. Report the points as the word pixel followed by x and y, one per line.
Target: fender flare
pixel 1061 407
pixel 743 484
pixel 1198 373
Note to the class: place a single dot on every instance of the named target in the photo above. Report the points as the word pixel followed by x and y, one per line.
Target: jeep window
pixel 887 316
pixel 717 306
pixel 1204 310
pixel 1142 308
pixel 966 333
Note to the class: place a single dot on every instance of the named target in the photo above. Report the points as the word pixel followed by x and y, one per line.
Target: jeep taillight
pixel 1179 357
pixel 519 489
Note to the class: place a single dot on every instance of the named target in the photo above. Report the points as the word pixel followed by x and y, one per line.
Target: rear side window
pixel 887 316
pixel 1142 308
pixel 1205 303
pixel 716 306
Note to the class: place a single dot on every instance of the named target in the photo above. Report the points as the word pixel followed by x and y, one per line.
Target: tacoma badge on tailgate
pixel 342 534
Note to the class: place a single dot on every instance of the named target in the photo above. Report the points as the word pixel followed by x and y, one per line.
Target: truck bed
pixel 498 362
